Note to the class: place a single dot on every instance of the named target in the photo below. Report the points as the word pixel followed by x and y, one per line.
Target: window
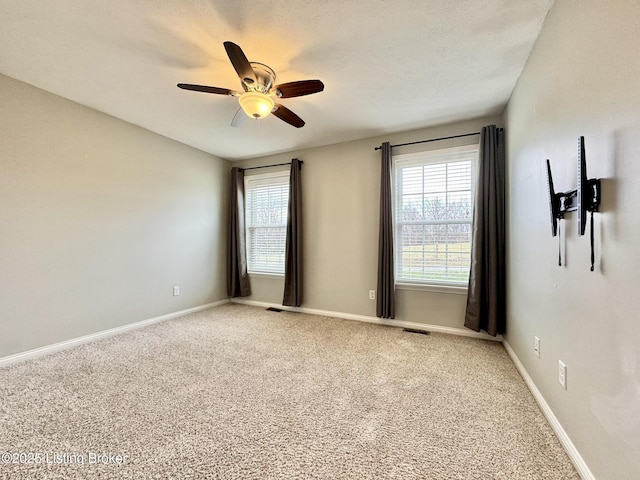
pixel 267 199
pixel 434 198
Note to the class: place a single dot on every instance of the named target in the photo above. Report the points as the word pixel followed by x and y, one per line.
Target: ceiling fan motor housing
pixel 265 78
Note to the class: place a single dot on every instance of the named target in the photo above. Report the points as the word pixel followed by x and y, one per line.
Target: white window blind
pixel 434 198
pixel 267 197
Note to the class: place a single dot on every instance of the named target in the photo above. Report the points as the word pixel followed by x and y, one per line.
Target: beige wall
pixel 582 78
pixel 100 219
pixel 341 185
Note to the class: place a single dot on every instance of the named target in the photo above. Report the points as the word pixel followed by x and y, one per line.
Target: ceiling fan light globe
pixel 256 104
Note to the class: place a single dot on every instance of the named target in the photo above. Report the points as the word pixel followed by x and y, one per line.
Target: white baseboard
pixel 381 321
pixel 57 347
pixel 562 435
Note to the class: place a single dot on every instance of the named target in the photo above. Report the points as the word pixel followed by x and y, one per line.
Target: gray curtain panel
pixel 293 266
pixel 237 276
pixel 486 303
pixel 386 303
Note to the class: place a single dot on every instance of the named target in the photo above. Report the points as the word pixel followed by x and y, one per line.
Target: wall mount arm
pixel 585 198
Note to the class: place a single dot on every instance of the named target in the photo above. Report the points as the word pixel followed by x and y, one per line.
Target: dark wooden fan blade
pixel 240 63
pixel 204 88
pixel 286 115
pixel 299 88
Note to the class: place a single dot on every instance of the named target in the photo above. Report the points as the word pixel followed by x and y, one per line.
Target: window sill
pixel 461 290
pixel 266 275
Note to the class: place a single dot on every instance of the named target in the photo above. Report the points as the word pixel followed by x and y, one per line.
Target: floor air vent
pixel 413 330
pixel 273 309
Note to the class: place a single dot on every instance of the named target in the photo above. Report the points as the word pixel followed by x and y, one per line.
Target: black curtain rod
pixel 431 140
pixel 267 166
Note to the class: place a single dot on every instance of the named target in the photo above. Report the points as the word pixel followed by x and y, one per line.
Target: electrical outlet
pixel 536 346
pixel 176 291
pixel 562 374
pixel 372 294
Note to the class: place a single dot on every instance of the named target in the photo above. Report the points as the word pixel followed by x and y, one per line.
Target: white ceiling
pixel 387 66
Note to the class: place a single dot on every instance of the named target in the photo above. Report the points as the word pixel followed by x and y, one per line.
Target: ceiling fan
pixel 257 100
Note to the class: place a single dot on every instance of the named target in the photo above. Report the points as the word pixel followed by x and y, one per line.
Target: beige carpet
pixel 238 392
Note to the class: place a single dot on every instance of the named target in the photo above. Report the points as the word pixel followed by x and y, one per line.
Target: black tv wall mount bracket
pixel 585 198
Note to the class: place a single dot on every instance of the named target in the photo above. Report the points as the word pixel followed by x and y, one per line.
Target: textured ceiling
pixel 387 66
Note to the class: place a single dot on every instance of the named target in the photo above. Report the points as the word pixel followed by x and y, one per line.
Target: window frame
pixel 270 177
pixel 435 156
